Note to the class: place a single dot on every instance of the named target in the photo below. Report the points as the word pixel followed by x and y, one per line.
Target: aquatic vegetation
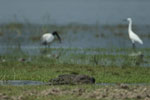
pixel 35 63
pixel 103 66
pixel 13 25
pixel 106 65
pixel 29 34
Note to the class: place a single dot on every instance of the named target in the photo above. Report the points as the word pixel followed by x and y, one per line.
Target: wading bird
pixel 48 38
pixel 133 37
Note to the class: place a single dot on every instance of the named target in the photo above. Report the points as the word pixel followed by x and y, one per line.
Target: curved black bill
pixel 58 37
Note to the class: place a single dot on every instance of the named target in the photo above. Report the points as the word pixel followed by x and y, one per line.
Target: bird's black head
pixel 55 33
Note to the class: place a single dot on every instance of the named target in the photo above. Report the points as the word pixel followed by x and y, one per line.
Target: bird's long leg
pixel 49 49
pixel 45 49
pixel 45 45
pixel 134 47
pixel 48 46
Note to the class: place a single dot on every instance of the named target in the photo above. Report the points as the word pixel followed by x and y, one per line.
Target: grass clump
pixel 43 68
pixel 104 67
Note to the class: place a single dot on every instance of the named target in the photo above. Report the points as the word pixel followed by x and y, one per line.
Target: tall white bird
pixel 48 38
pixel 133 37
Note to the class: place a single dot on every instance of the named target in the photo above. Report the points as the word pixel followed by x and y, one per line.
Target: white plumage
pixel 134 37
pixel 48 38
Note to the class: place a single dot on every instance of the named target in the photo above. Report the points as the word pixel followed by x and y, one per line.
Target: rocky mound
pixel 72 79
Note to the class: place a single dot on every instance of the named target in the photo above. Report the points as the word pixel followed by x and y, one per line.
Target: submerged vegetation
pixel 15 31
pixel 37 63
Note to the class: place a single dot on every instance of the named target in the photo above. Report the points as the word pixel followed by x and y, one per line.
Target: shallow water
pixel 29 82
pixel 89 24
pixel 112 37
pixel 69 12
pixel 20 82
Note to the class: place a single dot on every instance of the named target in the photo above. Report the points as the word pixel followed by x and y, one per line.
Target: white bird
pixel 48 38
pixel 133 37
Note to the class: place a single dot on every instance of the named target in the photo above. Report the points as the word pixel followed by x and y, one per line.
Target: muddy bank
pixel 117 92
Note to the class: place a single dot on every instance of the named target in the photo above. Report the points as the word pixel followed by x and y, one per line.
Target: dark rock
pixel 72 79
pixel 124 86
pixel 83 79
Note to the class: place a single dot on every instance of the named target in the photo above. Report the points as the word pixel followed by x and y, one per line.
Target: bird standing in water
pixel 48 38
pixel 133 37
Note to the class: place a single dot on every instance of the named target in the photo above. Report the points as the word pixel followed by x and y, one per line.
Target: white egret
pixel 133 37
pixel 48 38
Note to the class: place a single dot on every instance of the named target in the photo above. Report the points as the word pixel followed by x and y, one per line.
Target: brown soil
pixel 117 92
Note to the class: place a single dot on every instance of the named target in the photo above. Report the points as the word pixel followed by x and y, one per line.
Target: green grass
pixel 43 68
pixel 106 66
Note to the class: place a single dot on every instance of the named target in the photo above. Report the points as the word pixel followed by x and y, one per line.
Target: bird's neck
pixel 130 26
